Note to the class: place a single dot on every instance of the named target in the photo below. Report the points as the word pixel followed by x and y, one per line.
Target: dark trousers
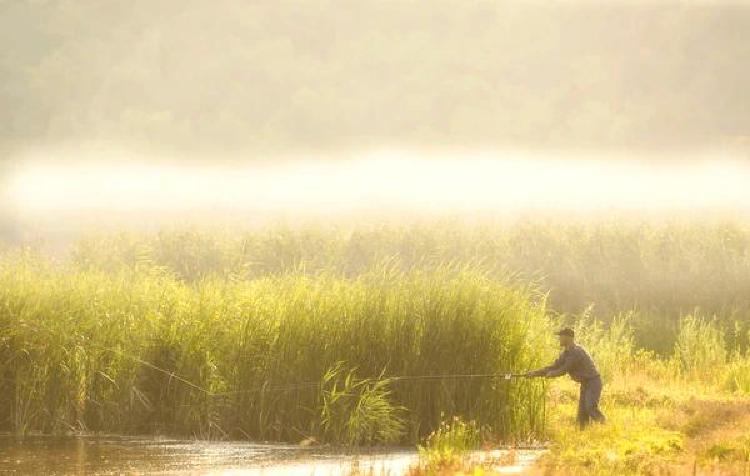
pixel 588 402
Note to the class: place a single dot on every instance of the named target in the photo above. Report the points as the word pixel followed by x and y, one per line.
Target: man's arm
pixel 567 360
pixel 545 371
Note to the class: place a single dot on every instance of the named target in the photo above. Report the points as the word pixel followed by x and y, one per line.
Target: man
pixel 577 363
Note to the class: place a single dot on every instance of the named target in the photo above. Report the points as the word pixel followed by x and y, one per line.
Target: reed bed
pixel 658 271
pixel 278 357
pixel 288 335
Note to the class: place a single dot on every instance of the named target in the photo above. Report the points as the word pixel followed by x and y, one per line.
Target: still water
pixel 125 455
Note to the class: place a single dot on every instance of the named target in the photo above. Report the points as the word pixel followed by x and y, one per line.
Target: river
pixel 112 455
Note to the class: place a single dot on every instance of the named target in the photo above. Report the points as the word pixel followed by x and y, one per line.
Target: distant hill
pixel 206 77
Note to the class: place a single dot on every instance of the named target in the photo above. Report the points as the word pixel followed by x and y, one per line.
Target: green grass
pixel 631 442
pixel 666 414
pixel 140 351
pixel 657 271
pixel 448 445
pixel 736 375
pixel 291 335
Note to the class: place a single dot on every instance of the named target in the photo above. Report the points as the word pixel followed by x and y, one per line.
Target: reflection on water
pixel 123 455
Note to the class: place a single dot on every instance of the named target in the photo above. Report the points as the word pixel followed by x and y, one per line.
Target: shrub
pixel 358 411
pixel 449 444
pixel 700 348
pixel 611 347
pixel 736 376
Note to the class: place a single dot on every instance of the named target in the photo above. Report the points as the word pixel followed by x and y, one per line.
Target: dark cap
pixel 566 331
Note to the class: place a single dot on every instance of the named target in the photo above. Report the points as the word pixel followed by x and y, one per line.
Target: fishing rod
pixel 506 376
pixel 394 378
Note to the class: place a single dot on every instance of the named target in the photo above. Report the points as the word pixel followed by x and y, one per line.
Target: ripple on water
pixel 117 455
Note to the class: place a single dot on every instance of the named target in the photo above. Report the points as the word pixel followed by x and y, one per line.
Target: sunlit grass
pixel 631 442
pixel 140 351
pixel 296 335
pixel 664 416
pixel 657 272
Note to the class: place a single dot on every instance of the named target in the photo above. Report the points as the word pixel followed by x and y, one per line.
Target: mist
pixel 134 114
pixel 75 198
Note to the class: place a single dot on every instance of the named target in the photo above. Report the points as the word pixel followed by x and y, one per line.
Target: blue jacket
pixel 575 362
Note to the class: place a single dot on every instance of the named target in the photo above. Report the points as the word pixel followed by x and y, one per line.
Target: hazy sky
pixel 262 78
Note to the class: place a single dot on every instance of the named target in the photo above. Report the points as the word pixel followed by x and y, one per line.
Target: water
pixel 125 455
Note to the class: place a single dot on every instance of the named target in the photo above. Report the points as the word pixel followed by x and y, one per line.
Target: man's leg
pixel 583 414
pixel 593 394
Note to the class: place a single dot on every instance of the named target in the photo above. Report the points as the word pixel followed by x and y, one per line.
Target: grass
pixel 630 443
pixel 299 335
pixel 672 430
pixel 358 411
pixel 274 358
pixel 666 415
pixel 448 445
pixel 657 271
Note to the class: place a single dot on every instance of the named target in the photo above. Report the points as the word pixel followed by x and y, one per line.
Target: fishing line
pixel 171 374
pixel 507 376
pixel 395 378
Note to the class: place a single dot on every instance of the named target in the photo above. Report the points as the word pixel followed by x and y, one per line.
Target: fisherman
pixel 576 362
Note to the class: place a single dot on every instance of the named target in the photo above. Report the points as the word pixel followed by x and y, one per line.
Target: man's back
pixel 576 362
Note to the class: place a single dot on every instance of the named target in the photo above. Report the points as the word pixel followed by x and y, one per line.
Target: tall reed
pixel 659 270
pixel 134 351
pixel 700 349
